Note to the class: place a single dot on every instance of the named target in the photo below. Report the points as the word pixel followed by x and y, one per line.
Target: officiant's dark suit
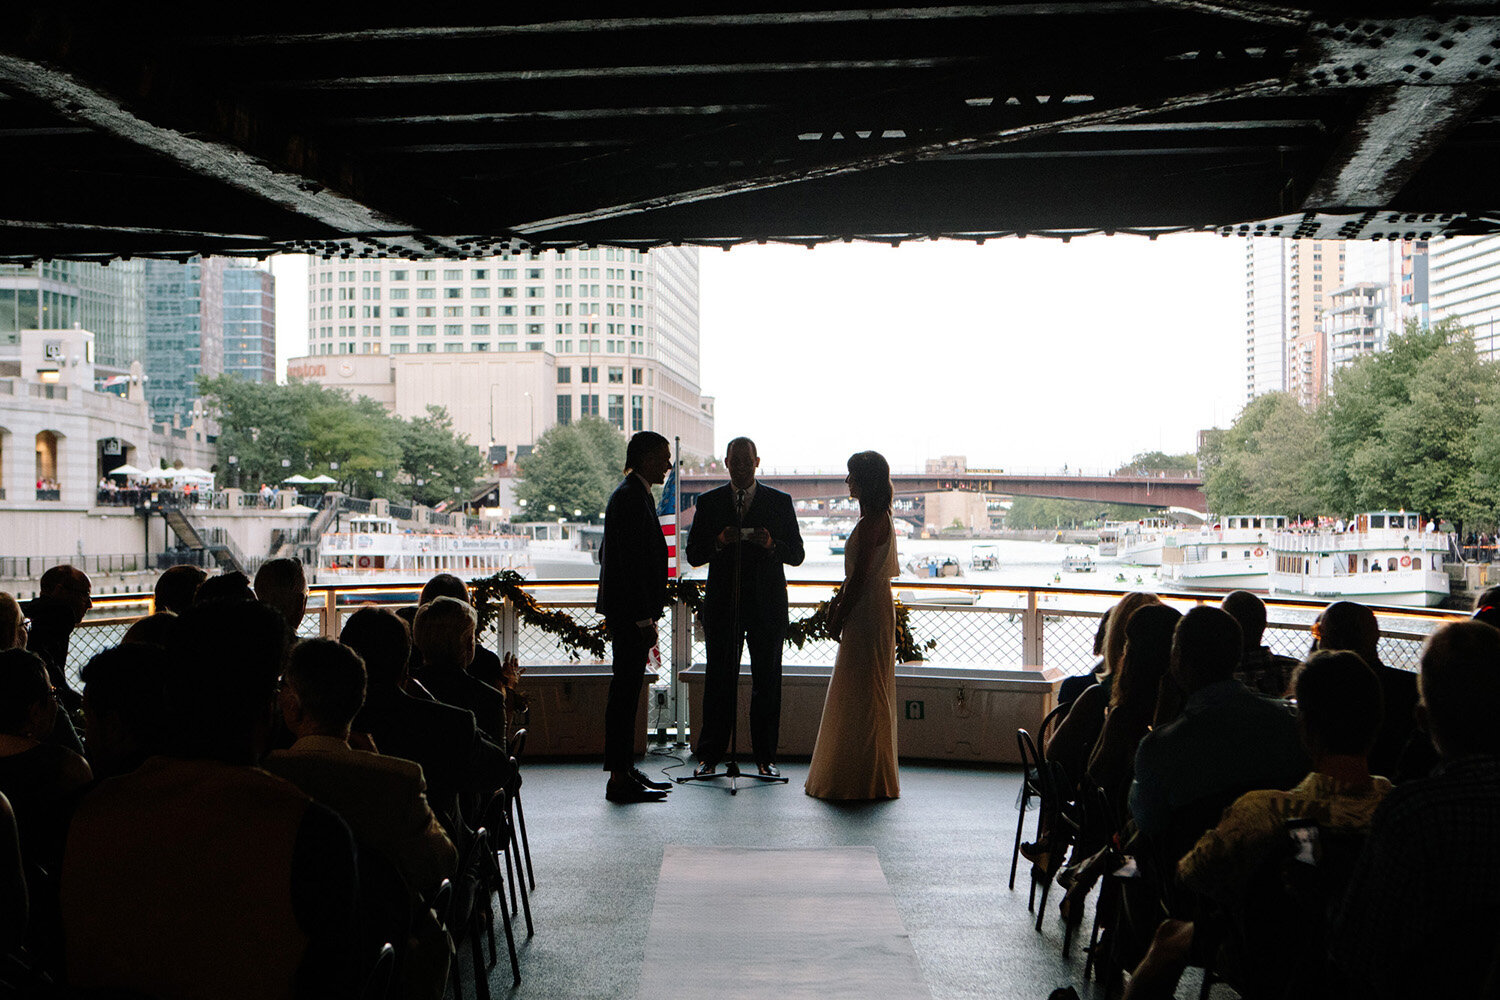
pixel 762 614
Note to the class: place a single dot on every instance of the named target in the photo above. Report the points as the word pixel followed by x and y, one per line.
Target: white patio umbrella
pixel 295 481
pixel 322 480
pixel 126 470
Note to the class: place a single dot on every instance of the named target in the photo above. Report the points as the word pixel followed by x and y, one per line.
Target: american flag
pixel 666 513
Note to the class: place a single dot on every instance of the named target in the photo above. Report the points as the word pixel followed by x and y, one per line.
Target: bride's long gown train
pixel 855 756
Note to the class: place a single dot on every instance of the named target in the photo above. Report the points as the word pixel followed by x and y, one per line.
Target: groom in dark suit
pixel 632 596
pixel 751 526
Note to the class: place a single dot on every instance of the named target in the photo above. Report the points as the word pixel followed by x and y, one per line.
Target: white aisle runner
pixel 733 922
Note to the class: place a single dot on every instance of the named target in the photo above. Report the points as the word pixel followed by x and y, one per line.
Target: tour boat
pixel 1109 541
pixel 926 567
pixel 1141 542
pixel 562 550
pixel 1078 560
pixel 1383 557
pixel 1229 553
pixel 838 540
pixel 984 557
pixel 376 549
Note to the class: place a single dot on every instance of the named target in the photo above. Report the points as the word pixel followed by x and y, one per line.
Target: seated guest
pixel 12 623
pixel 123 690
pixel 380 797
pixel 37 777
pixel 65 597
pixel 152 630
pixel 1073 740
pixel 1338 713
pixel 176 587
pixel 234 586
pixel 1132 701
pixel 15 903
pixel 1071 687
pixel 456 759
pixel 486 665
pixel 1260 670
pixel 444 634
pixel 1346 625
pixel 281 584
pixel 1423 910
pixel 1227 739
pixel 198 874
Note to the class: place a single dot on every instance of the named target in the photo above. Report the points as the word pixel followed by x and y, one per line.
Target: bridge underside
pixel 1145 491
pixel 133 130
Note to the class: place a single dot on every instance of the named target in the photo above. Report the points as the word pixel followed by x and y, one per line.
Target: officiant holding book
pixel 747 532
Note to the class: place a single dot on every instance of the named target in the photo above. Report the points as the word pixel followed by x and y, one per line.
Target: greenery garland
pixel 489 593
pixel 909 648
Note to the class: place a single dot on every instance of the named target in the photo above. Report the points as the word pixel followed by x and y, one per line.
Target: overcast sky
pixel 1021 354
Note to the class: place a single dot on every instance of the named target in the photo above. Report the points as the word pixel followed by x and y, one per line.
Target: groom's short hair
pixel 742 440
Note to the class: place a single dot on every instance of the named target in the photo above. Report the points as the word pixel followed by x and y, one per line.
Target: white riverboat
pixel 1109 541
pixel 1141 542
pixel 1078 560
pixel 985 557
pixel 1383 557
pixel 562 550
pixel 376 549
pixel 1230 553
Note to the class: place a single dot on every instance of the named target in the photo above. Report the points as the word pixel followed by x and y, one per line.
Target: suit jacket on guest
pixel 633 556
pixel 762 578
pixel 456 760
pixel 455 687
pixel 381 798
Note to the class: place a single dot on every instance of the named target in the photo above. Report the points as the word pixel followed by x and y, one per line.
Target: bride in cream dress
pixel 855 756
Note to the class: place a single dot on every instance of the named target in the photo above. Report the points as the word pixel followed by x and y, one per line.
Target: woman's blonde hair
pixel 1114 633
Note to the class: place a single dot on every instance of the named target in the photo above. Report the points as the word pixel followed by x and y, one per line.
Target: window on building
pixel 617 410
pixel 453 348
pixel 399 348
pixel 588 406
pixel 588 374
pixel 426 275
pixel 399 331
pixel 453 274
pixel 453 329
pixel 480 274
pixel 534 272
pixel 616 376
pixel 564 374
pixel 479 293
pixel 426 293
pixel 506 329
pixel 398 293
pixel 637 413
pixel 536 345
pixel 506 274
pixel 426 310
pixel 479 329
pixel 398 276
pixel 479 310
pixel 453 310
pixel 426 330
pixel 506 291
pixel 426 348
pixel 505 310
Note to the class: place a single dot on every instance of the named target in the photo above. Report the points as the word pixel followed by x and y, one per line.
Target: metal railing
pixel 1009 628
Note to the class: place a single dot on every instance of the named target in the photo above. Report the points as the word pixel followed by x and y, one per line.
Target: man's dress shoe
pixel 645 782
pixel 629 791
pixel 704 769
pixel 769 770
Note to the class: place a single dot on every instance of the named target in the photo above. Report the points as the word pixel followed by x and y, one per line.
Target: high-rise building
pixel 184 332
pixel 249 322
pixel 1465 284
pixel 60 295
pixel 512 345
pixel 1385 287
pixel 1288 285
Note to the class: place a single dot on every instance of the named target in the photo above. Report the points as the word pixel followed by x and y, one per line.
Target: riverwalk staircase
pixel 215 541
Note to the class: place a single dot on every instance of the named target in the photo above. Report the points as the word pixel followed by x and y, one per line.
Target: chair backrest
pixel 378 982
pixel 517 744
pixel 1050 722
pixel 1031 761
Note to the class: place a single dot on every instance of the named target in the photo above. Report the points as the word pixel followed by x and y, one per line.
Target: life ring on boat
pixel 1259 553
pixel 1405 561
pixel 363 562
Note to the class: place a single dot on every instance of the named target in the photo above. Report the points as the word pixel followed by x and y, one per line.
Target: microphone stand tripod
pixel 731 765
